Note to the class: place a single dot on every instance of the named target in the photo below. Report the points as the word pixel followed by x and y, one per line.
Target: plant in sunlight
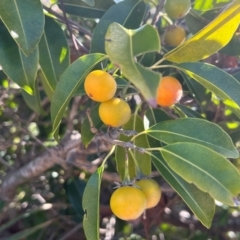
pixel 119 93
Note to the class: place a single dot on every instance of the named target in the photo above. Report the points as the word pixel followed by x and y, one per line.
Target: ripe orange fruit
pixel 174 35
pixel 100 86
pixel 169 91
pixel 115 112
pixel 176 9
pixel 128 203
pixel 152 191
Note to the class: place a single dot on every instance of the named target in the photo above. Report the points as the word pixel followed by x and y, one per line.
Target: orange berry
pixel 100 86
pixel 169 91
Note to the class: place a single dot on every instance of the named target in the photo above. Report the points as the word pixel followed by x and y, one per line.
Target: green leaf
pixel 224 85
pixel 89 2
pixel 53 52
pixel 86 133
pixel 132 43
pixel 143 160
pixel 195 21
pixel 232 48
pixel 75 188
pixel 19 68
pixel 204 5
pixel 90 203
pixel 210 39
pixel 127 13
pixel 208 170
pixel 47 88
pixel 29 231
pixel 154 116
pixel 184 111
pixel 81 9
pixel 196 131
pixel 25 22
pixel 199 202
pixel 34 101
pixel 65 89
pixel 198 91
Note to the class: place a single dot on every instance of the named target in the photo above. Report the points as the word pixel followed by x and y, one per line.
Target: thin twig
pixel 69 28
pixel 71 232
pixel 80 28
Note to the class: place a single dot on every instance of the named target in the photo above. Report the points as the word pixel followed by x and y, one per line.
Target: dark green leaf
pixel 127 13
pixel 75 188
pixel 195 21
pixel 224 85
pixel 186 111
pixel 196 131
pixel 34 101
pixel 47 88
pixel 19 68
pixel 82 9
pixel 86 133
pixel 208 170
pixel 143 160
pixel 154 116
pixel 232 48
pixel 25 22
pixel 132 43
pixel 199 202
pixel 198 91
pixel 53 52
pixel 147 59
pixel 65 89
pixel 90 203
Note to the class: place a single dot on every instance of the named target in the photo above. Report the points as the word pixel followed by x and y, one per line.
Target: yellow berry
pixel 174 35
pixel 151 190
pixel 115 112
pixel 100 86
pixel 128 203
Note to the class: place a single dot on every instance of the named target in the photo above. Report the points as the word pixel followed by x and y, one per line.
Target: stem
pixel 139 172
pixel 137 135
pixel 157 63
pixel 162 66
pixel 126 178
pixel 108 155
pixel 152 149
pixel 125 89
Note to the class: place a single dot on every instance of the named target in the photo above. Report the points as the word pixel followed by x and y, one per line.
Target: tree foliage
pixel 59 162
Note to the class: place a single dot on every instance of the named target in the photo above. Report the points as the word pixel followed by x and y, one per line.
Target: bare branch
pixel 48 159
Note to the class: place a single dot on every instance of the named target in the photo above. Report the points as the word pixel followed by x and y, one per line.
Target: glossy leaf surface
pixel 26 27
pixel 196 131
pixel 127 13
pixel 210 39
pixel 208 170
pixel 132 43
pixel 199 202
pixel 68 84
